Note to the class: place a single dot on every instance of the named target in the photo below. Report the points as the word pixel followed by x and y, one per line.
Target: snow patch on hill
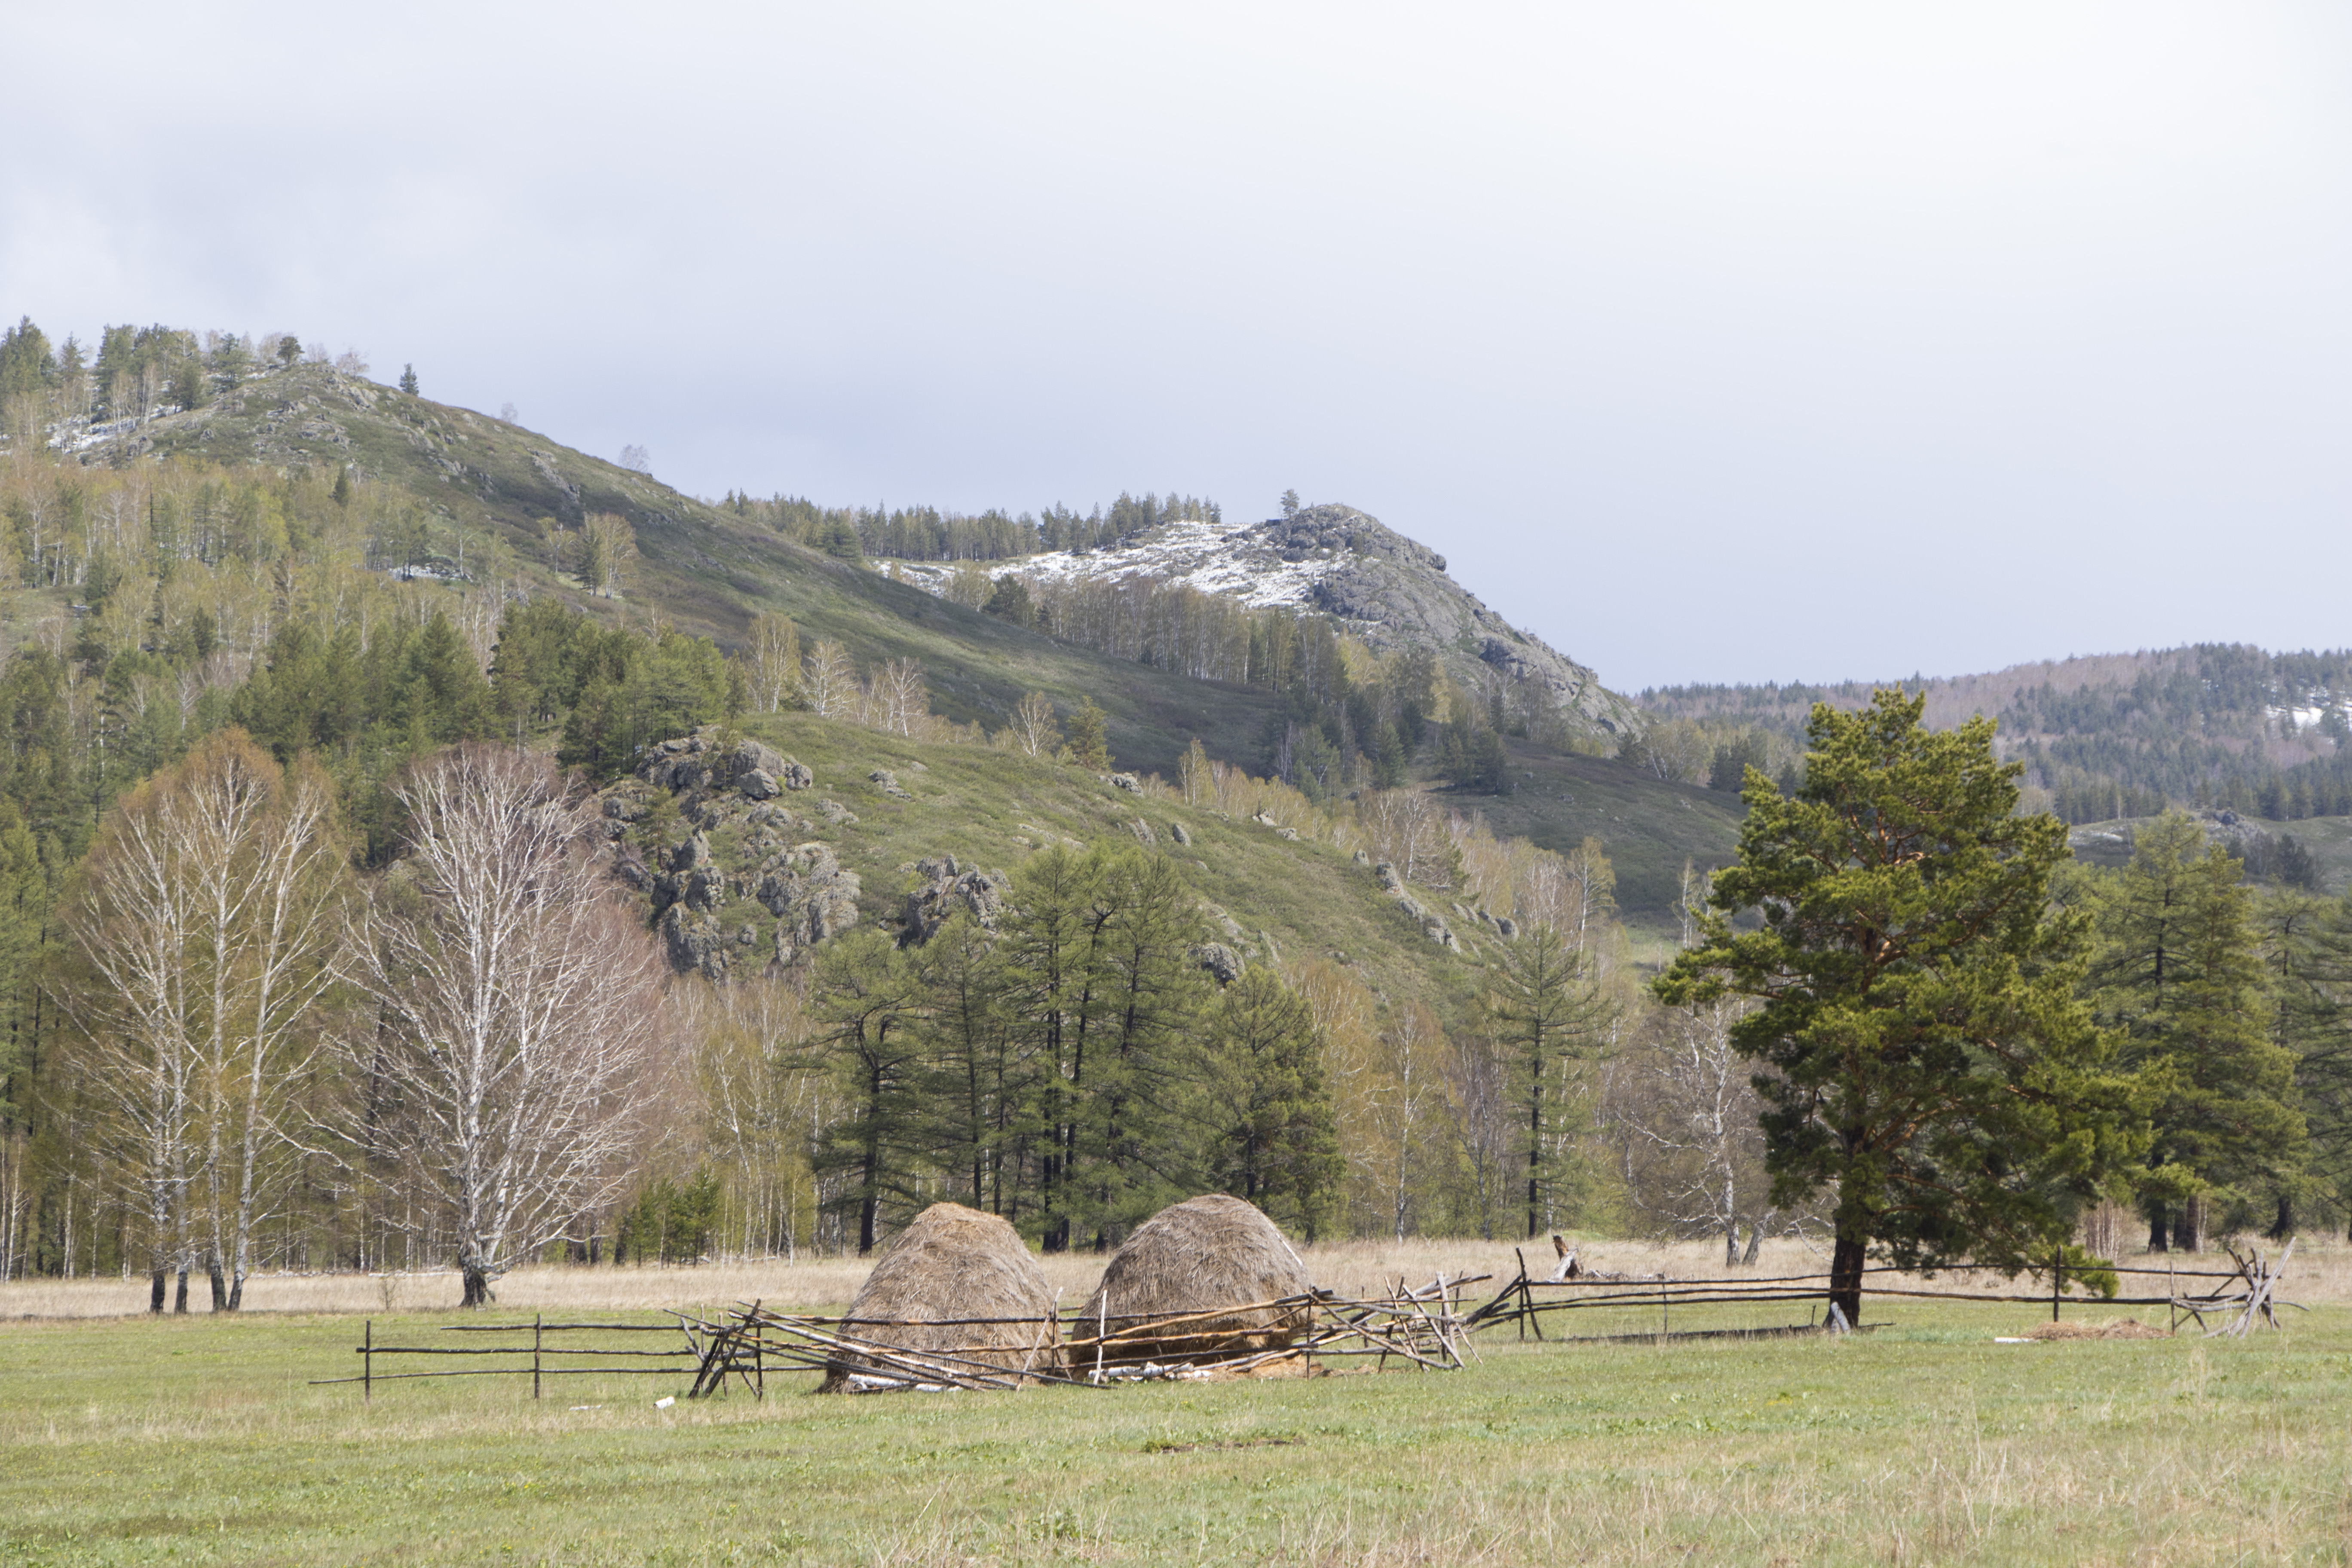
pixel 1213 557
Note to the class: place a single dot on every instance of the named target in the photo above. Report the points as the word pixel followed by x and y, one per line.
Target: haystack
pixel 1191 1258
pixel 950 1265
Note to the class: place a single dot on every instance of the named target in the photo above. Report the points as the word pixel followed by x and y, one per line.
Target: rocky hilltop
pixel 1390 590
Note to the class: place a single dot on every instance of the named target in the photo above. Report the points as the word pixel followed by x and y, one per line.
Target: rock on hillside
pixel 732 877
pixel 1387 589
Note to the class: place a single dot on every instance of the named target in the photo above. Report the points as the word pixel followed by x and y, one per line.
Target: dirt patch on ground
pixel 2117 1329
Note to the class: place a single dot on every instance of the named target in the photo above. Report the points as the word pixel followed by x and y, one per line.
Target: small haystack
pixel 1193 1258
pixel 950 1265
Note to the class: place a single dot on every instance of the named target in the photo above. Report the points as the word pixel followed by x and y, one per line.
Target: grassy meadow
pixel 200 1440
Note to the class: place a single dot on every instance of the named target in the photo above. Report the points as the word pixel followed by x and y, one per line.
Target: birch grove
pixel 211 907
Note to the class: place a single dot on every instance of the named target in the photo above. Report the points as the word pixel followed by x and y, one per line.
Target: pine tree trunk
pixel 1845 1278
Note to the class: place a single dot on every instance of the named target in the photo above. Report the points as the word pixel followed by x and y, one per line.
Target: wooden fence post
pixel 367 1364
pixel 538 1323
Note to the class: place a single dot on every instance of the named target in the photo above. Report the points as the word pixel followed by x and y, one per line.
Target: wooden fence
pixel 538 1349
pixel 1423 1329
pixel 2243 1299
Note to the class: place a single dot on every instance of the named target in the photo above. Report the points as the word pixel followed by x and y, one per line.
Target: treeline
pixel 1559 1093
pixel 928 533
pixel 2238 1003
pixel 137 374
pixel 2220 727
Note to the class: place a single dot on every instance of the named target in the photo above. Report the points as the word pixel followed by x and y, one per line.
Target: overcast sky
pixel 1711 343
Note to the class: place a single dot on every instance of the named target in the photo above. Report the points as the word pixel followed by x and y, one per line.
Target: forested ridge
pixel 2224 727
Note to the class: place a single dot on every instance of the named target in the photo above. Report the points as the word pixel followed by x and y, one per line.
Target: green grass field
pixel 198 1441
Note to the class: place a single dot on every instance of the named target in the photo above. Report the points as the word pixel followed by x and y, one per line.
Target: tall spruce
pixel 2178 974
pixel 1272 1137
pixel 1540 1008
pixel 2307 945
pixel 1137 1144
pixel 867 1002
pixel 1925 1053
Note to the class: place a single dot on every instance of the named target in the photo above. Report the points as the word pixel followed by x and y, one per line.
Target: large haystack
pixel 1193 1258
pixel 954 1263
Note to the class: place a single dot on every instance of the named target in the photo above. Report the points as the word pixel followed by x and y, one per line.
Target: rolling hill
pixel 487 490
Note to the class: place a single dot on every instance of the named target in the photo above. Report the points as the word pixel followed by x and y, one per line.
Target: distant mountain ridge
pixel 2223 725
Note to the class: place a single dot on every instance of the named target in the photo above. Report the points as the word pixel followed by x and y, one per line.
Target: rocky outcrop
pixel 701 943
pixel 811 896
pixel 697 762
pixel 1219 961
pixel 949 889
pixel 736 858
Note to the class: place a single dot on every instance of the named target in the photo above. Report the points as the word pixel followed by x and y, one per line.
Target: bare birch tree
pixel 608 553
pixel 1695 1154
pixel 757 1087
pixel 829 681
pixel 520 1010
pixel 1408 830
pixel 897 700
pixel 775 661
pixel 1037 732
pixel 205 932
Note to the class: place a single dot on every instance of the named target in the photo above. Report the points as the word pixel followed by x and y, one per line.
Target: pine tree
pixel 1273 1139
pixel 24 914
pixel 1540 1007
pixel 2307 947
pixel 408 379
pixel 1135 1135
pixel 2178 973
pixel 867 1001
pixel 1086 745
pixel 1049 989
pixel 1925 1053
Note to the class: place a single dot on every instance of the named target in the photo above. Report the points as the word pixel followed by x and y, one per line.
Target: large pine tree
pixel 1925 1053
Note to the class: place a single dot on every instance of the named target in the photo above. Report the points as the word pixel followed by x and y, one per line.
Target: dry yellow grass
pixel 2321 1271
